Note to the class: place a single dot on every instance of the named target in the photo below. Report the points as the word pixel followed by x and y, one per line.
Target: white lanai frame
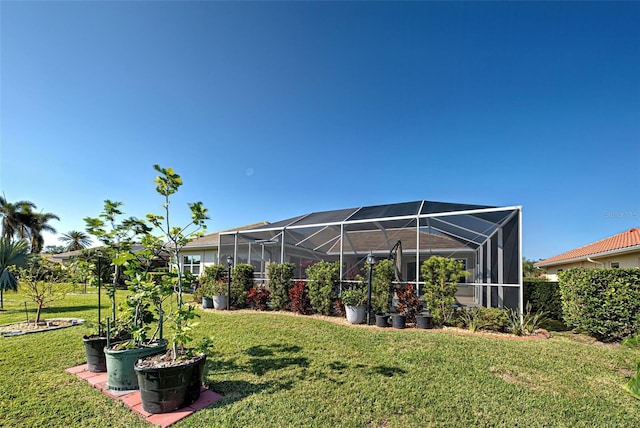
pixel 492 234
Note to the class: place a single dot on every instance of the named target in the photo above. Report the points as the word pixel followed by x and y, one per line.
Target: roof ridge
pixel 614 242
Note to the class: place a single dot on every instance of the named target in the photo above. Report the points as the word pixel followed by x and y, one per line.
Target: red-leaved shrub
pixel 299 302
pixel 257 297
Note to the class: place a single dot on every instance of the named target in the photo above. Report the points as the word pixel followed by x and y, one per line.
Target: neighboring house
pixel 617 251
pixel 161 260
pixel 62 258
pixel 203 251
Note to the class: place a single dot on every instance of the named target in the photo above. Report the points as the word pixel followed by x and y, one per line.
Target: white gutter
pixel 589 259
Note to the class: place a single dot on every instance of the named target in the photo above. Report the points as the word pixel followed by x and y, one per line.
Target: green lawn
pixel 278 370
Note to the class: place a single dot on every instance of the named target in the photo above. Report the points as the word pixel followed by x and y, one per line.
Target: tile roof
pixel 626 239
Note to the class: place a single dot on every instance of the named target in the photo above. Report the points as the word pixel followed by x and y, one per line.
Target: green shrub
pixel 323 279
pixel 356 296
pixel 633 386
pixel 471 318
pixel 528 325
pixel 632 342
pixel 494 319
pixel 280 280
pixel 382 286
pixel 241 283
pixel 481 318
pixel 198 294
pixel 441 276
pixel 544 296
pixel 212 283
pixel 605 303
pixel 213 273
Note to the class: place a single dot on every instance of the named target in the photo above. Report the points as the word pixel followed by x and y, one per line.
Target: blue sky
pixel 269 110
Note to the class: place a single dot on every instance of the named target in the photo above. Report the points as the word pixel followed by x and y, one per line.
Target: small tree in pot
pixel 173 380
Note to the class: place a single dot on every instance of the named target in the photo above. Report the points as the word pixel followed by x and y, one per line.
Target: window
pixel 191 264
pixel 614 265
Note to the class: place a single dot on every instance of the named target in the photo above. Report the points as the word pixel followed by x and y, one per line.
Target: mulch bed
pixel 540 334
pixel 20 328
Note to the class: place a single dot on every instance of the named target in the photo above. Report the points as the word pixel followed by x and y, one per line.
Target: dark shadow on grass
pixel 216 365
pixel 338 366
pixel 387 371
pixel 57 310
pixel 266 358
pixel 269 350
pixel 236 390
pixel 260 366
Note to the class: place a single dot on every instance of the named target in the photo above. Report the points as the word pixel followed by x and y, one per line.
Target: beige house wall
pixel 625 260
pixel 208 257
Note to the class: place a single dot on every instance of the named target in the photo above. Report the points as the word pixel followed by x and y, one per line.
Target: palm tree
pixel 75 240
pixel 14 215
pixel 11 254
pixel 38 223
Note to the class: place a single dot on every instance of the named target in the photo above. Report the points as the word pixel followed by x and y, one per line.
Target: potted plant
pixel 424 320
pixel 147 291
pixel 219 295
pixel 354 300
pixel 382 291
pixel 214 288
pixel 409 304
pixel 173 379
pixel 118 238
pixel 207 302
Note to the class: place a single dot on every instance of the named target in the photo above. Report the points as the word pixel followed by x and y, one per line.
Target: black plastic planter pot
pixel 94 349
pixel 165 389
pixel 424 321
pixel 399 321
pixel 382 320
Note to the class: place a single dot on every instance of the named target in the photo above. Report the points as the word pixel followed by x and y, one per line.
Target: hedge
pixel 544 296
pixel 605 303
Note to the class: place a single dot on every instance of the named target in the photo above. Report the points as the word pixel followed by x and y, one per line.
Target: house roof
pixel 627 240
pixel 211 240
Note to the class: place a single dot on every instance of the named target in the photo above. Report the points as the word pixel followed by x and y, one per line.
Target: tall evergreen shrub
pixel 241 283
pixel 280 281
pixel 441 276
pixel 603 302
pixel 544 296
pixel 322 286
pixel 382 286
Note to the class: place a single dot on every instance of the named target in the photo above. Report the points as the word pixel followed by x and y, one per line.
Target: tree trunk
pixel 38 313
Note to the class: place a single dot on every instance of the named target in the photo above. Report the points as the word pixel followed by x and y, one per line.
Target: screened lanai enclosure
pixel 486 239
